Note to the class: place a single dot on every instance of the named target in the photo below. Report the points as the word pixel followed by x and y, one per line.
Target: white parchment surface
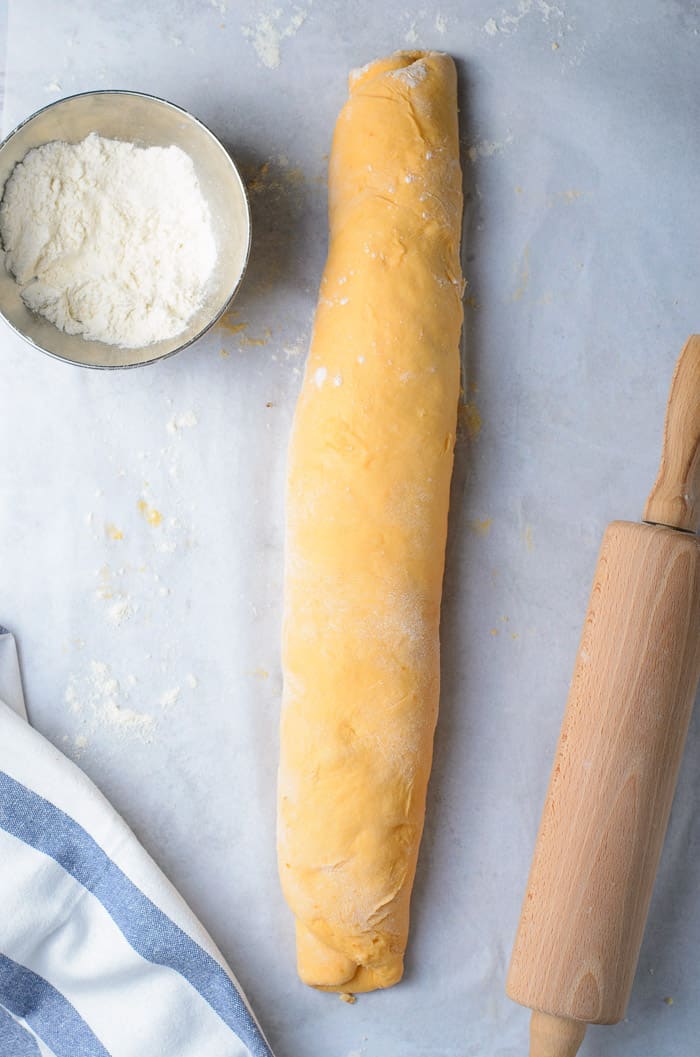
pixel 141 512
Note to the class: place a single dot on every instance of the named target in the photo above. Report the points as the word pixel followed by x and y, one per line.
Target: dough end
pixel 326 969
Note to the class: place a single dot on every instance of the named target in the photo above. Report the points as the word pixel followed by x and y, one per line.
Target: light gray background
pixel 581 230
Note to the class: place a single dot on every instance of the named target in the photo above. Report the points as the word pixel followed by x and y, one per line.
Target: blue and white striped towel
pixel 99 955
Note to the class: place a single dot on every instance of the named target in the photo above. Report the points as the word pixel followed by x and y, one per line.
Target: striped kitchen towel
pixel 99 955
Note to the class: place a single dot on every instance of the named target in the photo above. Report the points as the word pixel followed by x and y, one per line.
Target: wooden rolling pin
pixel 616 765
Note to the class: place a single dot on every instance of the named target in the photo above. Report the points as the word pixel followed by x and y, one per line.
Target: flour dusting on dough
pixel 411 75
pixel 359 72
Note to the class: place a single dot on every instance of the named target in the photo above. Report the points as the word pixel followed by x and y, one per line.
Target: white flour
pixel 99 698
pixel 486 149
pixel 268 32
pixel 179 422
pixel 509 21
pixel 109 240
pixel 411 75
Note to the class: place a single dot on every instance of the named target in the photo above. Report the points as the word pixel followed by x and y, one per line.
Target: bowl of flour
pixel 124 229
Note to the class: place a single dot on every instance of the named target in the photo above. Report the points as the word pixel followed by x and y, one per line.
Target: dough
pixel 369 478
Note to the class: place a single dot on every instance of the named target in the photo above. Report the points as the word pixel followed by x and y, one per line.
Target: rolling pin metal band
pixel 613 780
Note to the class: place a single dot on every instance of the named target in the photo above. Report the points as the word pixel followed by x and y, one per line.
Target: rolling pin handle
pixel 675 498
pixel 555 1036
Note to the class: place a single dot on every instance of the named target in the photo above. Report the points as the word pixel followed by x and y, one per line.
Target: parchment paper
pixel 581 154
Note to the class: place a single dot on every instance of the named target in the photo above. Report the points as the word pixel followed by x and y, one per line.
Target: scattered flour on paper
pixel 183 421
pixel 440 23
pixel 487 149
pixel 170 697
pixel 119 612
pixel 173 537
pixel 297 349
pixel 508 21
pixel 127 577
pixel 98 698
pixel 78 746
pixel 101 701
pixel 270 29
pixel 133 543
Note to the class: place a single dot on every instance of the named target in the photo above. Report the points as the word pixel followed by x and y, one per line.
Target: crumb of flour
pixel 80 744
pixel 99 699
pixel 119 612
pixel 183 421
pixel 487 149
pixel 509 21
pixel 170 697
pixel 297 349
pixel 270 29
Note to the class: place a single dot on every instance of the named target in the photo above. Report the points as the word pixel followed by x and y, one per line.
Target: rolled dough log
pixel 369 478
